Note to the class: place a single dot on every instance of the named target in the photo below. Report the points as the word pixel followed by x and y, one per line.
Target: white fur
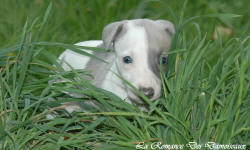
pixel 76 60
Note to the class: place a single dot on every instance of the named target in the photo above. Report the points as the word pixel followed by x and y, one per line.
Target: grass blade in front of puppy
pixel 118 121
pixel 175 86
pixel 115 100
pixel 91 90
pixel 140 94
pixel 165 120
pixel 125 131
pixel 164 80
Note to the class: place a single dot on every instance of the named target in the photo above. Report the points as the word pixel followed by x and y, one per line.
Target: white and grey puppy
pixel 139 46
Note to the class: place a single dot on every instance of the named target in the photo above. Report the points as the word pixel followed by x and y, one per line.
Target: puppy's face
pixel 140 50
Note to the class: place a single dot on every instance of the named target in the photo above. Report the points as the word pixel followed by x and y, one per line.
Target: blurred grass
pixel 206 95
pixel 77 20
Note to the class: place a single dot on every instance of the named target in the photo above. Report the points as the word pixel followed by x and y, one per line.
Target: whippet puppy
pixel 139 46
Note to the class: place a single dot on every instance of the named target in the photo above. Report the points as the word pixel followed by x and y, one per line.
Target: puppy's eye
pixel 127 59
pixel 162 60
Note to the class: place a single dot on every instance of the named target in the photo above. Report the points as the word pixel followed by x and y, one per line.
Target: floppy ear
pixel 110 33
pixel 168 26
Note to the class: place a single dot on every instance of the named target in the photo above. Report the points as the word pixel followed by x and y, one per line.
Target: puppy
pixel 139 47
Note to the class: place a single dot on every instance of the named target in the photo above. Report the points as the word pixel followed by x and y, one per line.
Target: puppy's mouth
pixel 138 99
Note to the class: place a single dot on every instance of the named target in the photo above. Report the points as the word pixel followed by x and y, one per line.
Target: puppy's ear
pixel 168 26
pixel 110 33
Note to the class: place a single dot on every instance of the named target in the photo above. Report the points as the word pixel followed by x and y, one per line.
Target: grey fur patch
pixel 98 68
pixel 158 41
pixel 167 25
pixel 111 32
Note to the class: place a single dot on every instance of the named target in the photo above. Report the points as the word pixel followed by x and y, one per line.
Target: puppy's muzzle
pixel 149 92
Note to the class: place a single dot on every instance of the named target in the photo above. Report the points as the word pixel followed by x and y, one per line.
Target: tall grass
pixel 205 94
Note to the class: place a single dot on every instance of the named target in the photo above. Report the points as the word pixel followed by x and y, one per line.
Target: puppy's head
pixel 140 46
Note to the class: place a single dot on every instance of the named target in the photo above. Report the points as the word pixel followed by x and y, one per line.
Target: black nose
pixel 149 92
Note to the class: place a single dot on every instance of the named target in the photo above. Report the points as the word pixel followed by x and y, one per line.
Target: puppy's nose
pixel 149 92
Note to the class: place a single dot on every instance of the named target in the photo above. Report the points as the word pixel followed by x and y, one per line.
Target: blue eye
pixel 162 60
pixel 127 59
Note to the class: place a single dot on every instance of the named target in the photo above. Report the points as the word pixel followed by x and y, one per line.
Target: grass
pixel 205 93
